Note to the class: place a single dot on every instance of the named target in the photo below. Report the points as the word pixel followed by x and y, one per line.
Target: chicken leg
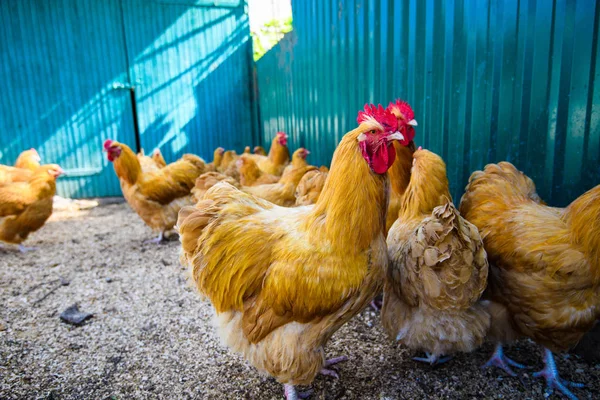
pixel 328 363
pixel 433 359
pixel 24 249
pixel 498 359
pixel 292 394
pixel 553 380
pixel 156 240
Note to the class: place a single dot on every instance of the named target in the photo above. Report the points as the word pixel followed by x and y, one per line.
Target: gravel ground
pixel 151 336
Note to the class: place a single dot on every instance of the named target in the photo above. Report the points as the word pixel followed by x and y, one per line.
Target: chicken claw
pixel 156 240
pixel 292 394
pixel 553 381
pixel 433 359
pixel 328 363
pixel 24 249
pixel 498 359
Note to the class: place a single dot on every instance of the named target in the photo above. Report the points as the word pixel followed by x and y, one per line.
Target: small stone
pixel 2 327
pixel 73 316
pixel 108 279
pixel 166 262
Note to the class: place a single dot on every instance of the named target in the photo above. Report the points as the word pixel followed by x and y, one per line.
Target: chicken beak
pixel 413 122
pixel 395 136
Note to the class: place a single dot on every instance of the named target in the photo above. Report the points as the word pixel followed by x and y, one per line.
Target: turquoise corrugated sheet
pixel 187 60
pixel 489 81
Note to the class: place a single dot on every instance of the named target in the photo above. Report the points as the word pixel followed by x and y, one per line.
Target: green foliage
pixel 269 34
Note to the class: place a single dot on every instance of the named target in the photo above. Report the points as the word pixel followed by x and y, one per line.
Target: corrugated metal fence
pixel 489 81
pixel 71 70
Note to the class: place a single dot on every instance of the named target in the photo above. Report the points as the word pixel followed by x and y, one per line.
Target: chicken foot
pixel 433 359
pixel 498 359
pixel 292 394
pixel 328 363
pixel 156 240
pixel 24 249
pixel 553 380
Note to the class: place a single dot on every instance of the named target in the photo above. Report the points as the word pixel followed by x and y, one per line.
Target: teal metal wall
pixel 489 81
pixel 68 68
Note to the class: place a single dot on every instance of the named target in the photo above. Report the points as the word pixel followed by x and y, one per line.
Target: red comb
pixel 380 114
pixel 404 108
pixel 107 144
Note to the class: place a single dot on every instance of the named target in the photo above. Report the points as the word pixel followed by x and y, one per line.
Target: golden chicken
pixel 399 172
pixel 310 187
pixel 217 159
pixel 247 150
pixel 278 158
pixel 544 279
pixel 260 151
pixel 208 180
pixel 155 196
pixel 298 160
pixel 283 280
pixel 26 206
pixel 27 162
pixel 153 163
pixel 438 269
pixel 283 192
pixel 251 175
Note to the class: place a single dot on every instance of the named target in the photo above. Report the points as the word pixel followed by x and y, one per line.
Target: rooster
pixel 438 269
pixel 156 196
pixel 283 280
pixel 25 206
pixel 544 279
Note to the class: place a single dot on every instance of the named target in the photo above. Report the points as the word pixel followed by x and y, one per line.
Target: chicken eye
pixel 373 131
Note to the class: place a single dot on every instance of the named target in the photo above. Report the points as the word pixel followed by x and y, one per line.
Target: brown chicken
pixel 298 160
pixel 155 196
pixel 260 151
pixel 544 279
pixel 251 175
pixel 310 187
pixel 247 150
pixel 278 158
pixel 208 180
pixel 25 206
pixel 283 280
pixel 27 162
pixel 438 269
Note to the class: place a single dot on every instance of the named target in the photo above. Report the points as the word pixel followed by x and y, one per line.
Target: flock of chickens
pixel 287 252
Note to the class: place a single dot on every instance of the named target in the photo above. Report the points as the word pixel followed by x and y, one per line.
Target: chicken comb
pixel 285 135
pixel 107 144
pixel 380 114
pixel 404 108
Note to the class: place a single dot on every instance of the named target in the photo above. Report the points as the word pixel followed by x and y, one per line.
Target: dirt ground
pixel 151 336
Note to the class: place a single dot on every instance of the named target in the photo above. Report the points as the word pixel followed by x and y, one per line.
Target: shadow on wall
pixel 61 100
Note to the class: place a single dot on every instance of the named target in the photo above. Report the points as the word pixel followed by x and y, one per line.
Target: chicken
pixel 283 280
pixel 247 150
pixel 278 157
pixel 438 269
pixel 215 165
pixel 28 159
pixel 545 264
pixel 208 180
pixel 298 160
pixel 27 162
pixel 323 168
pixel 260 151
pixel 155 196
pixel 251 175
pixel 229 159
pixel 153 163
pixel 309 188
pixel 399 173
pixel 282 193
pixel 25 206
